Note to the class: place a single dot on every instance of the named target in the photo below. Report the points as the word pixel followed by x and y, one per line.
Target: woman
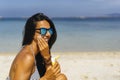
pixel 34 59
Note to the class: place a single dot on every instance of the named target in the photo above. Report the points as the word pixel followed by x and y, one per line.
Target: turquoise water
pixel 73 35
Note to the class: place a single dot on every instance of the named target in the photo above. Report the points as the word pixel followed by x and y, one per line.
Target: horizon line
pixel 80 17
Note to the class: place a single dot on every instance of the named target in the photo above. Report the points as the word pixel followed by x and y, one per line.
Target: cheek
pixel 35 36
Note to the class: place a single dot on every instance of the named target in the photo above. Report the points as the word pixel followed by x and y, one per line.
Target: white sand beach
pixel 78 65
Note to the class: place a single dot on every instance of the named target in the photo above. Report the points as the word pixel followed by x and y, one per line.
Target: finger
pixel 57 67
pixel 44 42
pixel 56 64
pixel 57 70
pixel 39 44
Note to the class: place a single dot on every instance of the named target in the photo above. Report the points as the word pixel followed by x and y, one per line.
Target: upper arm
pixel 24 67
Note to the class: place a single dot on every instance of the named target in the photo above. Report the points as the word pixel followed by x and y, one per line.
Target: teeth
pixel 46 39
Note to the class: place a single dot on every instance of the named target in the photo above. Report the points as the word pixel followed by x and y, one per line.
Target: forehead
pixel 43 24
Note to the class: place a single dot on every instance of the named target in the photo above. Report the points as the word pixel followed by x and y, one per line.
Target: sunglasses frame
pixel 45 31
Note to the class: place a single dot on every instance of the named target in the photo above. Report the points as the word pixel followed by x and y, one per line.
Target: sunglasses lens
pixel 43 31
pixel 51 31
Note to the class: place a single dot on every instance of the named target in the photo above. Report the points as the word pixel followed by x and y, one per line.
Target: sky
pixel 58 8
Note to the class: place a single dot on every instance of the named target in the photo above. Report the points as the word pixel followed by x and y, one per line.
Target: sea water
pixel 72 35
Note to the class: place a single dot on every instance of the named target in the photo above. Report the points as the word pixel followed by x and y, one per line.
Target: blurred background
pixel 82 25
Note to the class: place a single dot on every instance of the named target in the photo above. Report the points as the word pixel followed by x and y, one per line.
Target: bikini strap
pixel 33 54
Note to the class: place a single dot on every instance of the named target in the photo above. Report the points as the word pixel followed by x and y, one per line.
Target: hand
pixel 44 50
pixel 52 72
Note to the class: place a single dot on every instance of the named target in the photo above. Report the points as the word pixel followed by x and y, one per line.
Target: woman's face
pixel 43 29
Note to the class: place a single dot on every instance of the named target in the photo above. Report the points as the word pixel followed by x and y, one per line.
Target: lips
pixel 46 39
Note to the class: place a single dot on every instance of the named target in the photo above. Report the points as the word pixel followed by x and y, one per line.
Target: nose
pixel 48 34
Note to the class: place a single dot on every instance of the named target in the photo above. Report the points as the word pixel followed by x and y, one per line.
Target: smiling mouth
pixel 46 40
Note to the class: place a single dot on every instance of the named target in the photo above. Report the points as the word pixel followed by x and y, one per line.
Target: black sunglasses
pixel 43 31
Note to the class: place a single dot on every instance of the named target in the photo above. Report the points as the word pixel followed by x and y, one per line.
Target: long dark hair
pixel 29 32
pixel 30 25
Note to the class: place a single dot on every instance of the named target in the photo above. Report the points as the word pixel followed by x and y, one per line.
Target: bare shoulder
pixel 22 65
pixel 26 55
pixel 25 58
